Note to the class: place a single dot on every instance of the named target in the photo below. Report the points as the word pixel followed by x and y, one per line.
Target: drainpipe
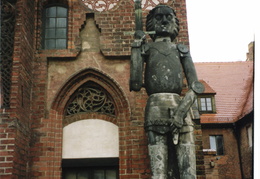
pixel 237 136
pixel 1 54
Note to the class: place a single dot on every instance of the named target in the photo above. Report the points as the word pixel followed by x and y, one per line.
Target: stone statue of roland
pixel 168 122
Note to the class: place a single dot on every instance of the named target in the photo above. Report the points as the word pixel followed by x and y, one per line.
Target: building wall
pixel 211 166
pixel 246 153
pixel 245 134
pixel 44 80
pixel 228 165
pixel 15 119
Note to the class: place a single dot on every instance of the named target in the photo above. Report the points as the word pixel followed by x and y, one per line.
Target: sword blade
pixel 138 15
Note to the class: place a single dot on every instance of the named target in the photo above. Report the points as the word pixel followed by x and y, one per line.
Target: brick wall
pixel 6 146
pixel 211 165
pixel 228 164
pixel 114 23
pixel 245 132
pixel 246 153
pixel 199 150
pixel 15 121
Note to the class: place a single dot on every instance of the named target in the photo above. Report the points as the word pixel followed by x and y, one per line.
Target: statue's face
pixel 164 21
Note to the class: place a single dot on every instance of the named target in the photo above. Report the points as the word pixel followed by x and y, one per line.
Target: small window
pixel 216 143
pixel 206 104
pixel 55 27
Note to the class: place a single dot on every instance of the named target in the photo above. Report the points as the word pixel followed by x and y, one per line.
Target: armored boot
pixel 158 160
pixel 185 150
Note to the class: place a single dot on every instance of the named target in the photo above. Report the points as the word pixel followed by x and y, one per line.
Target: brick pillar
pixel 199 150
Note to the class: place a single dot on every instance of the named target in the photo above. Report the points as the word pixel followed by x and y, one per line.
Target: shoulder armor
pixel 197 87
pixel 182 48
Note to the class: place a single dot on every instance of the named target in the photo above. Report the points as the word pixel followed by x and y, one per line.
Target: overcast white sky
pixel 220 30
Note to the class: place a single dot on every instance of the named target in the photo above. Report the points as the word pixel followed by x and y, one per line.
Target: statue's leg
pixel 158 152
pixel 157 126
pixel 186 151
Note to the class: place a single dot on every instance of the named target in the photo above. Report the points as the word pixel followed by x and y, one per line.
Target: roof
pixel 208 89
pixel 233 84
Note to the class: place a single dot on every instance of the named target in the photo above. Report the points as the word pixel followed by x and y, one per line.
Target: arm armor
pixel 136 67
pixel 189 70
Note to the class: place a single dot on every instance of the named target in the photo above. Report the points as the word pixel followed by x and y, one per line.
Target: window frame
pixel 217 148
pixel 213 106
pixel 44 19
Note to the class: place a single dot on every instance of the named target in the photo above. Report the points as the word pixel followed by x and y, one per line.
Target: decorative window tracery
pixel 7 48
pixel 105 5
pixel 150 4
pixel 100 5
pixel 91 99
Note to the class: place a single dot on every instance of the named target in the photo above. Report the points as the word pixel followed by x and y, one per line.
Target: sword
pixel 137 61
pixel 138 19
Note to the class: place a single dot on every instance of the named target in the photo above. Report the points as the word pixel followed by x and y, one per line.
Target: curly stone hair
pixel 150 22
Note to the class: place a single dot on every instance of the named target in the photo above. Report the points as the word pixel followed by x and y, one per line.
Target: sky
pixel 220 30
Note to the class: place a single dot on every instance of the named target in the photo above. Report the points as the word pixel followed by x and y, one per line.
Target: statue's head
pixel 162 19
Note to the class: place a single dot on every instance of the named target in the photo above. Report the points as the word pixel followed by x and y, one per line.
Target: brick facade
pixel 227 165
pixel 244 133
pixel 211 165
pixel 15 121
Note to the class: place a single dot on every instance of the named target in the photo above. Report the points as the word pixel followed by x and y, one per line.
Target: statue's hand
pixel 177 118
pixel 139 35
pixel 177 122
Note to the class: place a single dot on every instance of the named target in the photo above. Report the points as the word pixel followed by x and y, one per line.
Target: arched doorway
pixel 88 103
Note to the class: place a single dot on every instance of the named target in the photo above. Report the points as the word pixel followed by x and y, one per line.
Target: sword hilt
pixel 132 33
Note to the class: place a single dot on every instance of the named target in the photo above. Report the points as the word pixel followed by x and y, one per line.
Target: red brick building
pixel 229 123
pixel 65 104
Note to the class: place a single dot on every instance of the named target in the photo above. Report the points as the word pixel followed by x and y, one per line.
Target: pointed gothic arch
pixel 98 78
pixel 114 125
pixel 57 121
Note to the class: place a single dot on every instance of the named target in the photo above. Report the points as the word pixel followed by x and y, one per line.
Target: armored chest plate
pixel 163 69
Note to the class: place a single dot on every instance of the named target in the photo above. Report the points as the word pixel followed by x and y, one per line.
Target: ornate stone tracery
pixel 100 5
pixel 105 5
pixel 91 99
pixel 149 4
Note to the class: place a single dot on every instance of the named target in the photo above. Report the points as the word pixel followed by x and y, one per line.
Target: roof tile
pixel 232 82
